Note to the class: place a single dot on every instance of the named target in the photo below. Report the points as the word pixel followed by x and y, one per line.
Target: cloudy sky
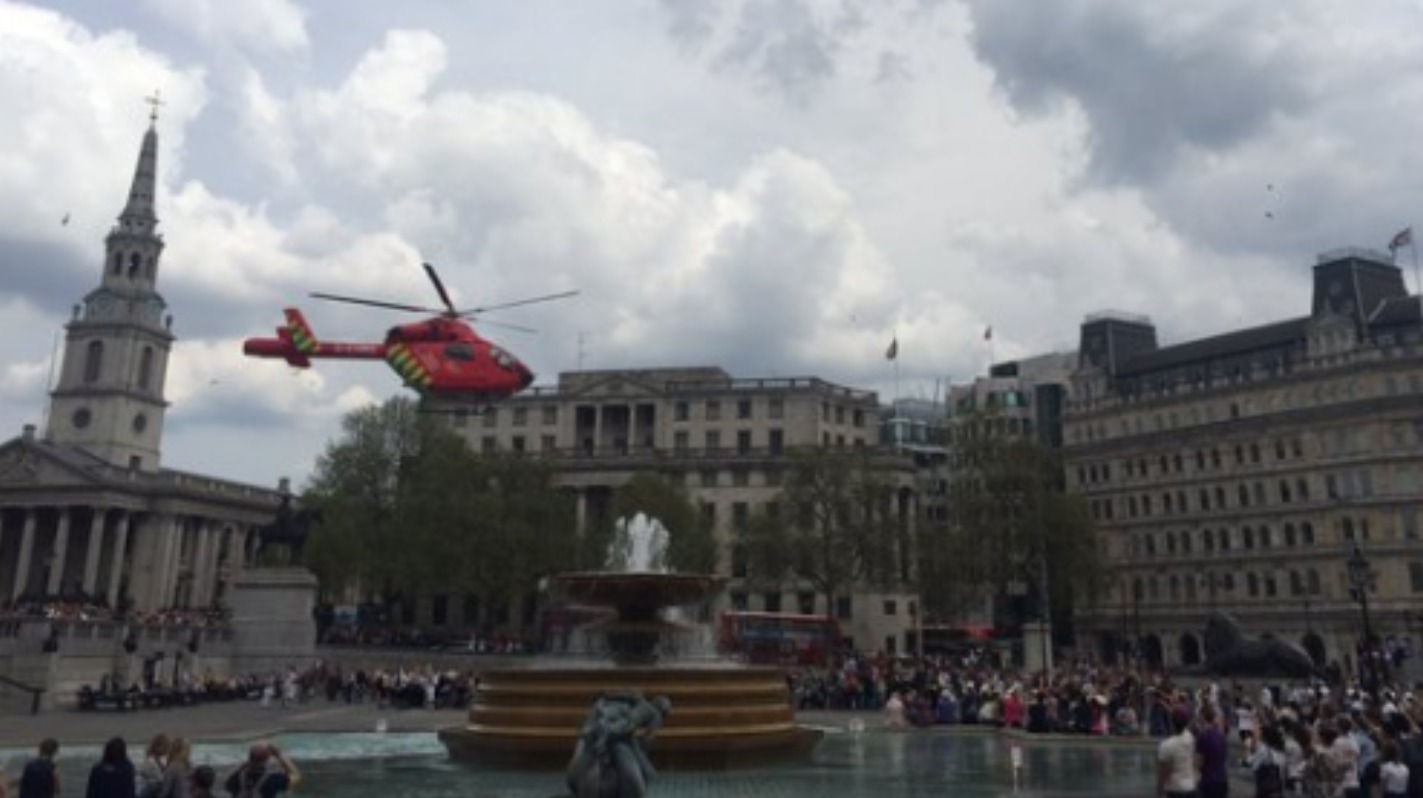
pixel 779 187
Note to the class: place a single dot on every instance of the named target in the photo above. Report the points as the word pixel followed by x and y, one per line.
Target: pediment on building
pixel 28 463
pixel 621 387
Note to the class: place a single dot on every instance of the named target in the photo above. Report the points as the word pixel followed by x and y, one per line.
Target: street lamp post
pixel 1358 571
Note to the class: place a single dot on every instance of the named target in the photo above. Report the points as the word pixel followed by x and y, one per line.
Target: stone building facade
pixel 1239 472
pixel 727 440
pixel 86 507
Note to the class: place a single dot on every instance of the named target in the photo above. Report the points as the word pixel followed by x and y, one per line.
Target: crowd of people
pixel 90 608
pixel 166 771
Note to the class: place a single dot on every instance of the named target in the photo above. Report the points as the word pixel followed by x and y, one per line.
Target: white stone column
pixel 202 569
pixel 166 532
pixel 95 550
pixel 61 551
pixel 27 553
pixel 116 565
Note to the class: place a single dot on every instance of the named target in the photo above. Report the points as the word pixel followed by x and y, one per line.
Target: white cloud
pixel 261 25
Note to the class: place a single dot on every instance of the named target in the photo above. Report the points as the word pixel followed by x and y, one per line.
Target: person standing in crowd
pixel 257 778
pixel 1213 754
pixel 150 773
pixel 1393 774
pixel 1177 774
pixel 204 778
pixel 40 779
pixel 1268 763
pixel 177 771
pixel 113 775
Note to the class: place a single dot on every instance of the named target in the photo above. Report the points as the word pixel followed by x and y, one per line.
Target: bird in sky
pixel 65 221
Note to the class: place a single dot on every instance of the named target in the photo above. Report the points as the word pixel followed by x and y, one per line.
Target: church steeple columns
pixel 109 399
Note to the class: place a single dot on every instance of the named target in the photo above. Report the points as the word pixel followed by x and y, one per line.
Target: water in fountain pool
pixel 874 764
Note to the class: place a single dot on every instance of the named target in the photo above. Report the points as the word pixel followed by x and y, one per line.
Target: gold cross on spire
pixel 153 101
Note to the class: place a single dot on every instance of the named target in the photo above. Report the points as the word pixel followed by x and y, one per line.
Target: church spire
pixel 139 215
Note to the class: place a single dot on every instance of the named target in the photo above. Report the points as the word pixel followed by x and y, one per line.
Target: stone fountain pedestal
pixel 723 714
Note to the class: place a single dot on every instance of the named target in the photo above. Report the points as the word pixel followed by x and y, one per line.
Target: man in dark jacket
pixel 40 779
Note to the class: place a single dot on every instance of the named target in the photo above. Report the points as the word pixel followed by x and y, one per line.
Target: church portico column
pixel 95 550
pixel 116 564
pixel 61 551
pixel 27 553
pixel 201 594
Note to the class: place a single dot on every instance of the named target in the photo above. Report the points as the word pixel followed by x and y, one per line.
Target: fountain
pixel 723 714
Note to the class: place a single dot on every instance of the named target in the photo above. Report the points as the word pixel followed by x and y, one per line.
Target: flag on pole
pixel 988 333
pixel 893 351
pixel 1401 239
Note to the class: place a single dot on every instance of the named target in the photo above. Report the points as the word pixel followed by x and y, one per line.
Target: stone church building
pixel 86 507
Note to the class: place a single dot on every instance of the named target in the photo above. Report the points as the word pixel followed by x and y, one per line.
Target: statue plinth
pixel 273 620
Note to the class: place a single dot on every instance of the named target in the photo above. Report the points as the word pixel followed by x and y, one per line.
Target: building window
pixel 439 609
pixel 1307 533
pixel 776 408
pixel 487 444
pixel 738 601
pixel 93 361
pixel 680 442
pixel 145 368
pixel 743 408
pixel 550 415
pixel 740 477
pixel 743 441
pixel 805 602
pixel 708 477
pixel 774 477
pixel 521 416
pixel 461 418
pixel 517 443
pixel 548 443
pixel 713 410
pixel 773 601
pixel 713 440
pixel 891 607
pixel 709 513
pixel 844 607
pixel 777 442
pixel 740 515
pixel 738 560
pixel 491 418
pixel 681 411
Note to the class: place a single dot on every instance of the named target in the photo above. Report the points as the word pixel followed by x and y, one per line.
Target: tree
pixel 1013 524
pixel 410 510
pixel 834 525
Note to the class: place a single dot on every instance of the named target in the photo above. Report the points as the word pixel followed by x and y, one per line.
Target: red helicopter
pixel 440 357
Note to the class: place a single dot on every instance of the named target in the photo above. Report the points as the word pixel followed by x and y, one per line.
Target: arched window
pixel 1175 588
pixel 1186 542
pixel 1289 534
pixel 152 265
pixel 1220 498
pixel 1302 488
pixel 145 368
pixel 1252 585
pixel 1224 535
pixel 1284 491
pixel 93 361
pixel 1138 589
pixel 1247 537
pixel 134 261
pixel 1296 583
pixel 1307 533
pixel 1313 579
pixel 1266 539
pixel 1171 543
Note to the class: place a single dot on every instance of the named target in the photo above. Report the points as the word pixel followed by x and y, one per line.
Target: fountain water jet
pixel 721 716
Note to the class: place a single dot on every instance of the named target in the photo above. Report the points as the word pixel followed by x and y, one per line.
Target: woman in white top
pixel 1393 774
pixel 1268 763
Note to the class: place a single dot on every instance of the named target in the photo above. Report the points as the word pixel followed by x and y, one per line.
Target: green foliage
pixel 410 509
pixel 835 524
pixel 1013 521
pixel 691 544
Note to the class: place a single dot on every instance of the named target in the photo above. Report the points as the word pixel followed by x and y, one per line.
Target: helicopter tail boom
pixel 297 345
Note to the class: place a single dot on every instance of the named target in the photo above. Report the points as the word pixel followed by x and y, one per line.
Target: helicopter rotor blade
pixel 515 327
pixel 440 289
pixel 518 303
pixel 375 303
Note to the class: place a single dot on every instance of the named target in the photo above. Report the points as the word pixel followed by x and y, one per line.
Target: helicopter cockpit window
pixel 459 351
pixel 501 357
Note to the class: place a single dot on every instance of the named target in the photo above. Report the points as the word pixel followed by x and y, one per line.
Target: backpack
pixel 1269 778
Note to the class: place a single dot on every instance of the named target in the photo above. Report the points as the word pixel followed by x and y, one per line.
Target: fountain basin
pixel 721 717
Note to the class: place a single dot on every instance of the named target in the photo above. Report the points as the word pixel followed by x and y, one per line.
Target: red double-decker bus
pixel 778 638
